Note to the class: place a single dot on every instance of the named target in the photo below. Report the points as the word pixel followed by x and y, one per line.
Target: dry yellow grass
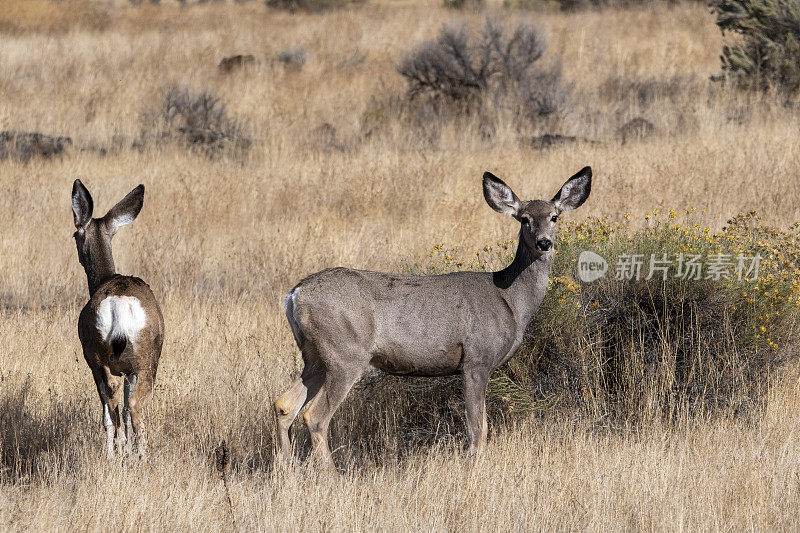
pixel 221 241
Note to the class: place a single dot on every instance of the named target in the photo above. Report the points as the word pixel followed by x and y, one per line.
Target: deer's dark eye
pixel 554 218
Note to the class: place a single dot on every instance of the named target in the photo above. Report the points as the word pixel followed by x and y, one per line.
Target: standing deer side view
pixel 467 323
pixel 121 328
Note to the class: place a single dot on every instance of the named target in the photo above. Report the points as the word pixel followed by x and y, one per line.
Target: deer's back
pixel 413 325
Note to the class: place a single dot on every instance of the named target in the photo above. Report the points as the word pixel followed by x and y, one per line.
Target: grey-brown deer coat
pixel 345 321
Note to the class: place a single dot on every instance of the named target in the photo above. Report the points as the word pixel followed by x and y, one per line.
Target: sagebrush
pixel 198 120
pixel 763 48
pixel 498 67
pixel 634 349
pixel 312 6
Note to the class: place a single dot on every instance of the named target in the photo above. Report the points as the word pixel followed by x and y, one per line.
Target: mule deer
pixel 121 328
pixel 466 323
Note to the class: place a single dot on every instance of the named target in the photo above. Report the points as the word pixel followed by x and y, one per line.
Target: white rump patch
pixel 120 317
pixel 290 308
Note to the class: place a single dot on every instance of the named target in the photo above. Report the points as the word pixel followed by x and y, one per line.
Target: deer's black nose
pixel 544 244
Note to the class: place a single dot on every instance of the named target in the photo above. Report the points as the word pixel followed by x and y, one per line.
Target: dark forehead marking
pixel 537 208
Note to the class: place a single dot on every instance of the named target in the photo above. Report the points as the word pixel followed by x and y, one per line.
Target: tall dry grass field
pixel 334 171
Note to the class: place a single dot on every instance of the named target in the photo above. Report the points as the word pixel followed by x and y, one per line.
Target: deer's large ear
pixel 82 204
pixel 499 196
pixel 575 191
pixel 126 209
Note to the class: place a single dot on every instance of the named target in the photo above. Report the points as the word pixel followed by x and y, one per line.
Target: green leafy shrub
pixel 765 49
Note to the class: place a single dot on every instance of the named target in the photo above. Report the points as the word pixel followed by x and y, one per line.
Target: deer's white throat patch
pixel 120 317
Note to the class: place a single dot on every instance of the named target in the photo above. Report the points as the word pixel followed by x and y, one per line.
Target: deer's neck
pixel 99 270
pixel 524 281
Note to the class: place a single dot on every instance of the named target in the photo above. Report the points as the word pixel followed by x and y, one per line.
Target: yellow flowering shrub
pixel 635 344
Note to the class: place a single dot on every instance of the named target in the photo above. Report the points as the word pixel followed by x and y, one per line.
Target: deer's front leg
pixel 475 382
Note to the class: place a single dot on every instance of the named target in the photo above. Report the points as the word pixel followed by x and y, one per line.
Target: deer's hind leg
pixel 338 382
pixel 138 390
pixel 110 391
pixel 289 404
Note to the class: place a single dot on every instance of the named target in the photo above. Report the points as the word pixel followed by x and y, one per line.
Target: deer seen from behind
pixel 345 321
pixel 121 328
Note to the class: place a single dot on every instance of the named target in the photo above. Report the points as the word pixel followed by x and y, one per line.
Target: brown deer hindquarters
pixel 123 324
